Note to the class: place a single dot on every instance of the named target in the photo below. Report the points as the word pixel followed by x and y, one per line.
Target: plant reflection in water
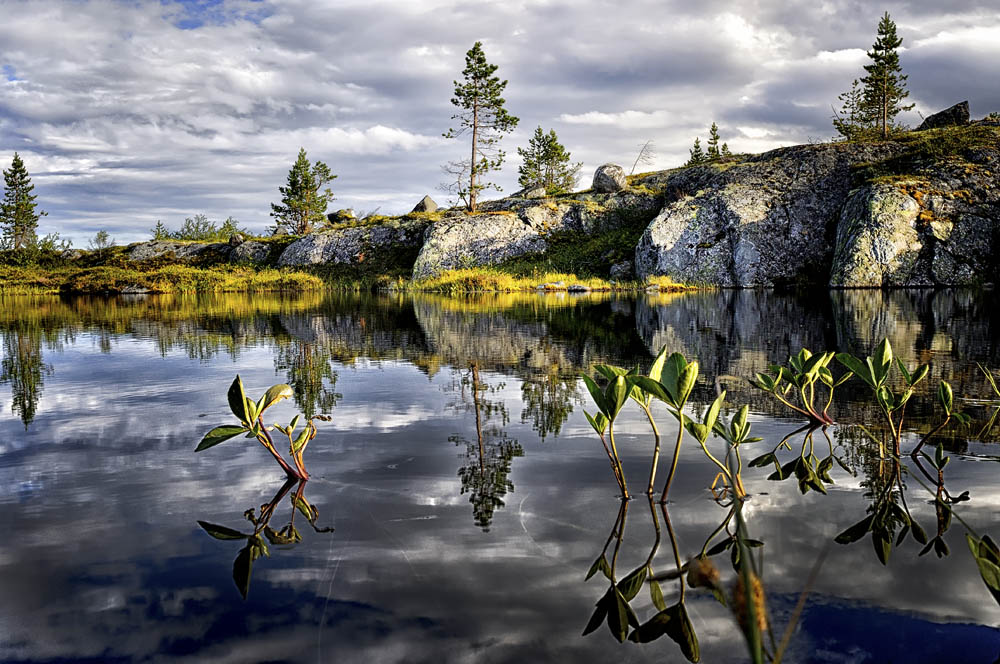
pixel 255 546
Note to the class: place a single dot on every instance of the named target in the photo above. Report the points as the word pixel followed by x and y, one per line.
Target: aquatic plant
pixel 255 544
pixel 798 381
pixel 251 416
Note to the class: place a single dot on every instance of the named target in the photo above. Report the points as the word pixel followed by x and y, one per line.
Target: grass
pixel 24 280
pixel 927 149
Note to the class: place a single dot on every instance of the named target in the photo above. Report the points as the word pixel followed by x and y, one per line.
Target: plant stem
pixel 618 462
pixel 677 455
pixel 265 439
pixel 656 452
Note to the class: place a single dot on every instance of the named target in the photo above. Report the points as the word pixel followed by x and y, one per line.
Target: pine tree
pixel 852 119
pixel 303 199
pixel 885 85
pixel 713 143
pixel 547 164
pixel 482 114
pixel 160 231
pixel 725 150
pixel 18 218
pixel 697 154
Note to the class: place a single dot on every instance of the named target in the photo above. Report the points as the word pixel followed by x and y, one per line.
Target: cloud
pixel 130 112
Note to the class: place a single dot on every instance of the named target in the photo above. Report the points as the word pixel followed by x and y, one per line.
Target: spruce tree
pixel 697 154
pixel 547 164
pixel 725 150
pixel 852 119
pixel 18 218
pixel 160 231
pixel 482 114
pixel 885 85
pixel 303 199
pixel 713 143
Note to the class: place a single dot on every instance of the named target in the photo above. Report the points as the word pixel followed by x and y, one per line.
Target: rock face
pixel 877 239
pixel 609 178
pixel 341 216
pixel 513 227
pixel 251 252
pixel 956 116
pixel 144 251
pixel 768 221
pixel 352 245
pixel 475 239
pixel 426 204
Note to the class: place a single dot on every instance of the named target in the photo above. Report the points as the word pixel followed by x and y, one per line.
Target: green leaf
pixel 221 532
pixel 713 411
pixel 219 435
pixel 596 567
pixel 685 382
pixel 902 370
pixel 681 631
pixel 618 615
pixel 616 395
pixel 654 388
pixel 855 532
pixel 990 378
pixel 251 408
pixel 763 460
pixel 596 394
pixel 882 543
pixel 672 370
pixel 631 584
pixel 242 567
pixel 598 616
pixel 656 595
pixel 237 402
pixel 883 359
pixel 292 425
pixel 945 396
pixel 988 560
pixel 600 423
pixel 274 394
pixel 656 370
pixel 856 366
pixel 302 439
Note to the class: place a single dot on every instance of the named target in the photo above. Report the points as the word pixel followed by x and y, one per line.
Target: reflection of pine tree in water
pixel 548 401
pixel 486 475
pixel 307 366
pixel 23 368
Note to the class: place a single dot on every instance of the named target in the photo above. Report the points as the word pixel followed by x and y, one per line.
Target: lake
pixel 466 492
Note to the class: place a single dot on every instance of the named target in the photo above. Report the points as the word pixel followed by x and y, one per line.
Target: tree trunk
pixel 472 161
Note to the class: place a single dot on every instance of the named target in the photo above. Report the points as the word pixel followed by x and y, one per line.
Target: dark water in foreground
pixel 452 542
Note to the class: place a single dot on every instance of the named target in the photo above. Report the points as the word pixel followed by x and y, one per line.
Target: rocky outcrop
pixel 184 251
pixel 251 252
pixel 896 213
pixel 353 245
pixel 609 178
pixel 763 222
pixel 955 116
pixel 513 227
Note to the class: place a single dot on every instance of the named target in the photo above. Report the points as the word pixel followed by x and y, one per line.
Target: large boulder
pixel 955 116
pixel 184 251
pixel 471 240
pixel 765 222
pixel 609 178
pixel 878 243
pixel 251 252
pixel 426 204
pixel 352 245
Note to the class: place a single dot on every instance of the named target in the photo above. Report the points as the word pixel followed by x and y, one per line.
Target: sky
pixel 126 113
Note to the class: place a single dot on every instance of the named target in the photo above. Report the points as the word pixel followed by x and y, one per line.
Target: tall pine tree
pixel 547 164
pixel 18 218
pixel 481 114
pixel 303 199
pixel 885 85
pixel 713 143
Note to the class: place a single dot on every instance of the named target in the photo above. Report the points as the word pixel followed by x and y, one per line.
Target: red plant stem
pixel 268 444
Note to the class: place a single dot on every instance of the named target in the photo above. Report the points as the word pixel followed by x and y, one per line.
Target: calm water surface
pixel 467 505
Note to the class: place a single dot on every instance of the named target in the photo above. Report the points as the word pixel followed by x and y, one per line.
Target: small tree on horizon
pixel 18 218
pixel 303 199
pixel 713 143
pixel 697 154
pixel 547 164
pixel 482 114
pixel 852 120
pixel 885 85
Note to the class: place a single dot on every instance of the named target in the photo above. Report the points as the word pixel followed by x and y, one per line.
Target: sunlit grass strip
pixel 492 280
pixel 169 279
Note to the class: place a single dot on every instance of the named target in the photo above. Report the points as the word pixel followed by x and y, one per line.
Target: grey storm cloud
pixel 126 113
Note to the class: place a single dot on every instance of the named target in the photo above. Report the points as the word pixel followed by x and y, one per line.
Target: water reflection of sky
pixel 104 560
